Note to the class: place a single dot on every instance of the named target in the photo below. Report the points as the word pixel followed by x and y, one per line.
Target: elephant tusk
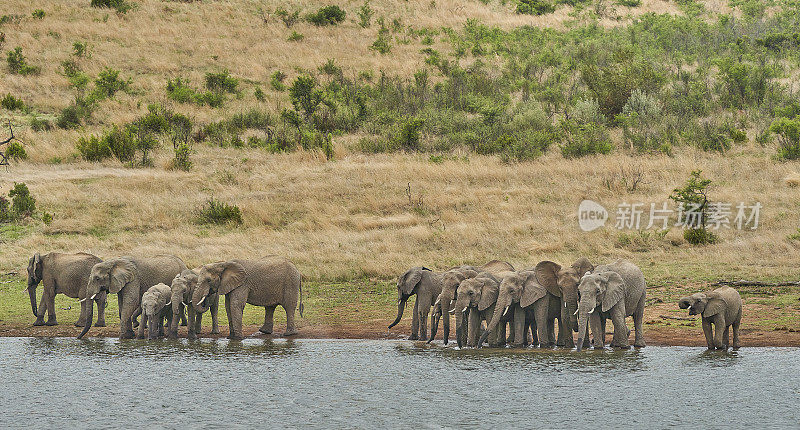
pixel 184 303
pixel 464 310
pixel 437 302
pixel 576 312
pixel 565 304
pixel 168 303
pixel 82 300
pixel 591 311
pixel 201 301
pixel 506 310
pixel 93 295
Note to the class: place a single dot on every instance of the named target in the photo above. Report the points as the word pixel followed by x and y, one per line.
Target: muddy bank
pixel 656 336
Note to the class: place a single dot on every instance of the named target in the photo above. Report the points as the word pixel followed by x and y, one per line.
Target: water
pixel 107 383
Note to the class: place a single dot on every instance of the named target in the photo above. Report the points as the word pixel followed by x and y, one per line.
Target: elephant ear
pixel 37 265
pixel 582 265
pixel 547 275
pixel 489 293
pixel 531 291
pixel 714 305
pixel 123 272
pixel 232 277
pixel 410 280
pixel 614 290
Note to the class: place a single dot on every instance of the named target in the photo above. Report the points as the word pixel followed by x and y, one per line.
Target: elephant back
pixel 69 272
pixel 270 280
pixel 159 269
pixel 724 299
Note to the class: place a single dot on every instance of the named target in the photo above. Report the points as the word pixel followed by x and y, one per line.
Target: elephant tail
pixel 300 306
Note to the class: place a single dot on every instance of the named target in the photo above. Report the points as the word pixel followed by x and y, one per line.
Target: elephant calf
pixel 269 282
pixel 156 307
pixel 721 308
pixel 183 287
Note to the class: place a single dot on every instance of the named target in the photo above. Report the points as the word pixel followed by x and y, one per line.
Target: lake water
pixel 107 383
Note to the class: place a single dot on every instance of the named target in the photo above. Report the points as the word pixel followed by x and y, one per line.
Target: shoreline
pixel 654 336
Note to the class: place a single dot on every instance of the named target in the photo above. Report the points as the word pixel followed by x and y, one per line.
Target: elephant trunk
pixel 445 325
pixel 461 327
pixel 89 318
pixel 502 306
pixel 401 306
pixel 32 294
pixel 152 326
pixel 587 306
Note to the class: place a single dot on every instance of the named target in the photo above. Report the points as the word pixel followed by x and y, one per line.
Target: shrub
pixel 612 84
pixel 305 95
pixel 217 212
pixel 328 15
pixel 365 14
pixel 712 137
pixel 38 14
pixel 381 44
pixel 74 115
pixel 744 84
pixel 407 137
pixel 276 80
pixel 40 124
pixel 694 196
pixel 80 49
pixel 258 93
pixel 585 139
pixel 699 236
pixel 18 65
pixel 12 103
pixel 288 18
pixel 108 83
pixel 788 133
pixel 121 143
pixel 181 159
pixel 221 82
pixel 534 7
pixel 121 6
pixel 16 151
pixel 178 89
pixel 629 3
pixel 93 148
pixel 295 37
pixel 642 120
pixel 23 204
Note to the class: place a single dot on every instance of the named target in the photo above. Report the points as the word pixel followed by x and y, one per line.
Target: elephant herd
pixel 498 304
pixel 161 287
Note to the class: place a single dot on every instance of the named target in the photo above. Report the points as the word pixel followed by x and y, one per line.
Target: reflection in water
pixel 368 384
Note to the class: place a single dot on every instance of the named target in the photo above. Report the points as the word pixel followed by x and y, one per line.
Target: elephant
pixel 531 304
pixel 450 281
pixel 427 285
pixel 156 307
pixel 268 282
pixel 475 302
pixel 183 286
pixel 563 283
pixel 721 308
pixel 128 277
pixel 613 291
pixel 67 274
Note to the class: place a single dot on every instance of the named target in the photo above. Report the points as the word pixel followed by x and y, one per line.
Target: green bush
pixel 93 148
pixel 18 65
pixel 40 124
pixel 121 142
pixel 788 133
pixel 305 95
pixel 178 89
pixel 585 139
pixel 295 37
pixel 276 80
pixel 712 137
pixel 38 14
pixel 121 6
pixel 407 136
pixel 534 7
pixel 80 49
pixel 381 44
pixel 288 18
pixel 217 212
pixel 328 15
pixel 108 83
pixel 16 151
pixel 221 82
pixel 694 194
pixel 258 93
pixel 23 204
pixel 629 3
pixel 699 236
pixel 181 159
pixel 74 115
pixel 612 83
pixel 365 14
pixel 642 123
pixel 12 103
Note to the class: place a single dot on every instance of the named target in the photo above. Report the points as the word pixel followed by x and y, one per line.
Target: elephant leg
pixel 415 321
pixel 501 333
pixel 726 338
pixel 231 331
pixel 708 331
pixel 423 319
pixel 736 334
pixel 130 305
pixel 101 310
pixel 214 322
pixel 620 328
pixel 51 309
pixel 41 309
pixel 269 312
pixel 511 333
pixel 134 317
pixel 291 328
pixel 445 325
pixel 184 319
pixel 565 330
pixel 519 327
pixel 719 328
pixel 534 333
pixel 238 298
pixel 638 320
pixel 543 326
pixel 192 322
pixel 598 330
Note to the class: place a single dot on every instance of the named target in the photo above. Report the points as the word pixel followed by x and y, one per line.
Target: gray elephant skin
pixel 613 291
pixel 156 307
pixel 268 282
pixel 475 302
pixel 426 285
pixel 562 282
pixel 183 286
pixel 720 308
pixel 530 304
pixel 65 274
pixel 129 278
pixel 451 279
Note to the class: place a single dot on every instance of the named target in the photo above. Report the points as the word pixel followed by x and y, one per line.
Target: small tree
pixel 22 202
pixel 305 95
pixel 694 197
pixel 788 132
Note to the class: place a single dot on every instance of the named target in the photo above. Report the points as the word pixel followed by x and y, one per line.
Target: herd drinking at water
pixel 540 306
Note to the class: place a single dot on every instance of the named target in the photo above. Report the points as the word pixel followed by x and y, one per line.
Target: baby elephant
pixel 156 307
pixel 182 289
pixel 722 308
